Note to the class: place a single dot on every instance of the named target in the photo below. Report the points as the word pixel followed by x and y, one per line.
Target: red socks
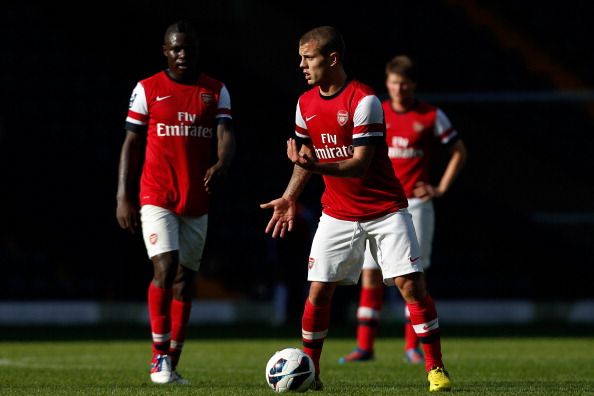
pixel 411 341
pixel 314 329
pixel 423 317
pixel 368 313
pixel 180 316
pixel 159 305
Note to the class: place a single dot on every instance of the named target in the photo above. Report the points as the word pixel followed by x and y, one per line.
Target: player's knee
pixel 183 291
pixel 412 288
pixel 320 293
pixel 372 279
pixel 165 267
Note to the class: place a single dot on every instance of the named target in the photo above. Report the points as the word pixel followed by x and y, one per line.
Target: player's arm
pixel 448 136
pixel 426 191
pixel 130 161
pixel 368 131
pixel 455 164
pixel 300 175
pixel 225 153
pixel 356 166
pixel 285 207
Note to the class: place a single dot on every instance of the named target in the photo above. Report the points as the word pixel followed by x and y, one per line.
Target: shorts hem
pixel 390 276
pixel 342 282
pixel 161 251
pixel 194 268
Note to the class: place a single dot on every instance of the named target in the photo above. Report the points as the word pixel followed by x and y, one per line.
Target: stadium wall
pixel 472 312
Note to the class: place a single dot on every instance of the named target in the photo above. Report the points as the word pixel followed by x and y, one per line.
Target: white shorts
pixel 164 231
pixel 338 248
pixel 423 217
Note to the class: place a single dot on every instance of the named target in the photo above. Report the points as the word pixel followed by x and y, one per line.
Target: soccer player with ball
pixel 340 125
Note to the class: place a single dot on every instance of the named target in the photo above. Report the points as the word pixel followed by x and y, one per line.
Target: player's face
pixel 182 55
pixel 313 63
pixel 400 88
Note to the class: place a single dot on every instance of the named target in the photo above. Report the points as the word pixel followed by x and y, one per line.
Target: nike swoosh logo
pixel 432 325
pixel 310 117
pixel 160 98
pixel 412 260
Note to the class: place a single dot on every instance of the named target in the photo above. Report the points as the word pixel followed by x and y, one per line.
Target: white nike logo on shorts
pixel 160 98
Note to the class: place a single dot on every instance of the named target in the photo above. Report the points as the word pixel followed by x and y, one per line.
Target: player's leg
pixel 371 300
pixel 159 300
pixel 425 322
pixel 423 218
pixel 423 316
pixel 398 254
pixel 192 238
pixel 412 353
pixel 336 257
pixel 181 307
pixel 370 306
pixel 316 320
pixel 160 229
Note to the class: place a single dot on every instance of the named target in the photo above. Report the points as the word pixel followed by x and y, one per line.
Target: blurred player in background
pixel 173 118
pixel 414 130
pixel 340 124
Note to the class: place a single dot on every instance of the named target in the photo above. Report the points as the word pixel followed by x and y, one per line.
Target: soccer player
pixel 414 129
pixel 340 125
pixel 172 119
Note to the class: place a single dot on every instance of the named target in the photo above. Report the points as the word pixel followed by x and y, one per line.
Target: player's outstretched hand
pixel 127 216
pixel 282 216
pixel 297 158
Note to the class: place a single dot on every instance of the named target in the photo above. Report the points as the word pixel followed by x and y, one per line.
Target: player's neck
pixel 402 106
pixel 334 83
pixel 187 78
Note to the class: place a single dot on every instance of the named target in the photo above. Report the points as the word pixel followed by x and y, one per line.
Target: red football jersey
pixel 334 125
pixel 411 137
pixel 180 121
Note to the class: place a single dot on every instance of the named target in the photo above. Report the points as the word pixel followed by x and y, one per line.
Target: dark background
pixel 518 223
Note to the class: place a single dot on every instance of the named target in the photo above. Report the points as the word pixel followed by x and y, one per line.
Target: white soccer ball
pixel 290 370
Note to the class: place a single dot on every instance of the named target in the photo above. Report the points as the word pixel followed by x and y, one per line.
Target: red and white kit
pixel 355 210
pixel 180 121
pixel 412 137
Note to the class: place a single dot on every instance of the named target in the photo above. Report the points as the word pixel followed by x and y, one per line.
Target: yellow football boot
pixel 439 380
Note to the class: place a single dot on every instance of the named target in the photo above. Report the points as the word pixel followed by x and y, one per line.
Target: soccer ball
pixel 290 370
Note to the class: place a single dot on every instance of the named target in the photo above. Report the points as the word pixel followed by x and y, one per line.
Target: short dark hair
pixel 328 38
pixel 181 26
pixel 403 65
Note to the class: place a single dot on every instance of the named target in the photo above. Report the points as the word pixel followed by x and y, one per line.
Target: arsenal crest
pixel 342 117
pixel 207 98
pixel 153 238
pixel 418 127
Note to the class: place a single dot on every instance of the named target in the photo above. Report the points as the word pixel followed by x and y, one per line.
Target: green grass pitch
pixel 541 365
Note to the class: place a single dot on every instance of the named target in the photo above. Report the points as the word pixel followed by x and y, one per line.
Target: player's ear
pixel 164 47
pixel 333 57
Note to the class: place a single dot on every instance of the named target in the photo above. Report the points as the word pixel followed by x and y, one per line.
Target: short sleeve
pixel 137 119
